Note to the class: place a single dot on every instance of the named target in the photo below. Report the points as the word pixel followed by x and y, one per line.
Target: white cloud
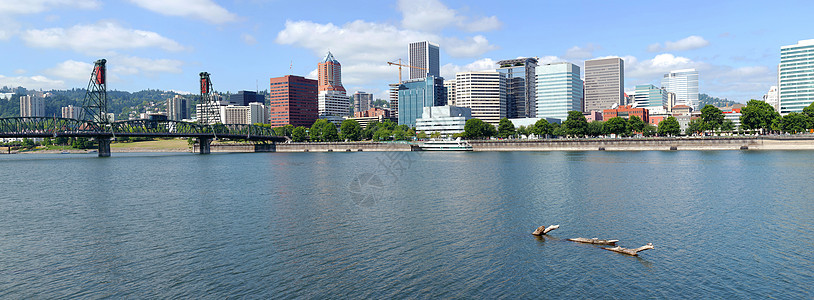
pixel 71 69
pixel 32 82
pixel 19 71
pixel 448 71
pixel 130 65
pixel 8 28
pixel 248 39
pixel 688 43
pixel 97 38
pixel 432 15
pixel 206 10
pixel 658 65
pixel 8 7
pixel 577 52
pixel 364 48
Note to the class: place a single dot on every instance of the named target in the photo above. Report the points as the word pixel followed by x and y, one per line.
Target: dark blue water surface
pixel 725 224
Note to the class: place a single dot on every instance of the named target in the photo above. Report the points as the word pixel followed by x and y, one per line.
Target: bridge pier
pixel 204 145
pixel 104 147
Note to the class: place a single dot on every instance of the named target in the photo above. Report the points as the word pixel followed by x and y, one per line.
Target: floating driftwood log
pixel 594 241
pixel 633 252
pixel 543 230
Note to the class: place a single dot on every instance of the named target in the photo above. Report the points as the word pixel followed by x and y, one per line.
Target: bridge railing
pixel 32 125
pixel 41 125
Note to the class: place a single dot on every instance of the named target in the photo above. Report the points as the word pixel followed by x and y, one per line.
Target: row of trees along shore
pixel 757 117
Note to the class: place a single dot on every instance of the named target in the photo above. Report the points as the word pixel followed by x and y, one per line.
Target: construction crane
pixel 403 65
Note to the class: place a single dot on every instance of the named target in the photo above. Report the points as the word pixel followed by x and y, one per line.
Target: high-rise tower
pixel 604 83
pixel 424 55
pixel 684 83
pixel 332 99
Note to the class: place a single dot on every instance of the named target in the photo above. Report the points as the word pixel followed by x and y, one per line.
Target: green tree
pixel 809 111
pixel 421 135
pixel 758 115
pixel 636 124
pixel 61 140
pixel 382 135
pixel 505 128
pixel 727 126
pixel 435 135
pixel 477 129
pixel 387 124
pixel 794 122
pixel 329 133
pixel 298 134
pixel 575 124
pixel 596 128
pixel 289 129
pixel 695 126
pixel 712 116
pixel 616 125
pixel 316 130
pixel 541 128
pixel 558 130
pixel 649 130
pixel 27 144
pixel 411 132
pixel 350 130
pixel 522 130
pixel 400 135
pixel 669 127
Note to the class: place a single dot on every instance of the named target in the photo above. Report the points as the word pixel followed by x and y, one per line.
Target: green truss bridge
pixel 93 124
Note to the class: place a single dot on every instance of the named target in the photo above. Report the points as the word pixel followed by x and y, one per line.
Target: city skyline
pixel 158 45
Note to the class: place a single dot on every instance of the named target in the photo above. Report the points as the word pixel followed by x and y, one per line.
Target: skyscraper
pixel 424 55
pixel 484 92
pixel 449 88
pixel 520 86
pixel 684 83
pixel 796 76
pixel 394 99
pixel 177 108
pixel 32 106
pixel 332 98
pixel 362 101
pixel 243 98
pixel 416 94
pixel 604 83
pixel 293 101
pixel 652 98
pixel 559 90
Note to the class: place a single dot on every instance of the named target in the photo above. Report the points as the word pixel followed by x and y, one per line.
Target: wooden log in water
pixel 632 252
pixel 594 241
pixel 543 230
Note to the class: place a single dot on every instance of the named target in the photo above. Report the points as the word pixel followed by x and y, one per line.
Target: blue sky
pixel 164 44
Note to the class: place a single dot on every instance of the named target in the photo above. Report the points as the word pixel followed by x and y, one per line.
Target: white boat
pixel 446 145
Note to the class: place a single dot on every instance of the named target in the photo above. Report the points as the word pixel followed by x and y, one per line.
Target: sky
pixel 165 44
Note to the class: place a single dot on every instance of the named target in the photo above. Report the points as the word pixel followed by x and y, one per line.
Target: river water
pixel 725 224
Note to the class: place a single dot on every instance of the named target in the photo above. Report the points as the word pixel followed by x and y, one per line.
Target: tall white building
pixel 32 106
pixel 796 76
pixel 484 92
pixel 71 112
pixel 449 85
pixel 559 90
pixel 684 83
pixel 332 99
pixel 394 99
pixel 253 113
pixel 424 55
pixel 772 98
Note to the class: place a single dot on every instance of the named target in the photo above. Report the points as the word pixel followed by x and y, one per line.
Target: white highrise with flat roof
pixel 684 83
pixel 796 76
pixel 484 92
pixel 32 106
pixel 559 90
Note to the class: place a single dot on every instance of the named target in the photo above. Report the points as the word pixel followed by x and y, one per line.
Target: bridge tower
pixel 209 113
pixel 94 107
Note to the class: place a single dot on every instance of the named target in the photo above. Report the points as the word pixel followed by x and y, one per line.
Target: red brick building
pixel 293 100
pixel 625 111
pixel 373 112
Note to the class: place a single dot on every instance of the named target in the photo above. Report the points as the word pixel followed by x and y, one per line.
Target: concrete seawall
pixel 311 147
pixel 649 144
pixel 641 144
